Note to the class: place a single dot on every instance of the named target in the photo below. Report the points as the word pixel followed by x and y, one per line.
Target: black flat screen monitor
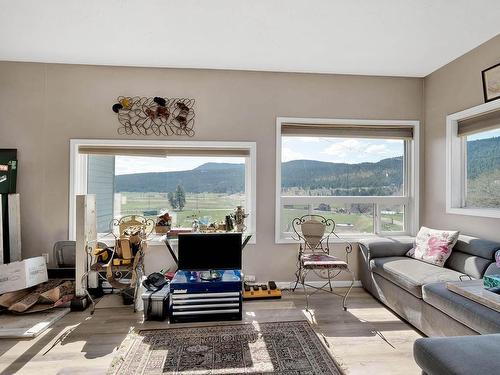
pixel 209 251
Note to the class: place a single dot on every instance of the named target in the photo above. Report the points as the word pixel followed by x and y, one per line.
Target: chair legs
pixel 330 281
pixel 348 291
pixel 301 275
pixel 303 282
pixel 297 278
pixel 298 273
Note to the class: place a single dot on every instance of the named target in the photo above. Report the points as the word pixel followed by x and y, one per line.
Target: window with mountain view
pixel 343 167
pixel 473 161
pixel 483 169
pixel 204 184
pixel 320 166
pixel 211 187
pixel 358 175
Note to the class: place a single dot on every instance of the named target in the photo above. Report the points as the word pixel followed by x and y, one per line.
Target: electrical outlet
pixel 46 256
pixel 249 278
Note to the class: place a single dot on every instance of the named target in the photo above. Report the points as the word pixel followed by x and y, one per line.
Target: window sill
pixel 350 238
pixel 479 212
pixel 158 240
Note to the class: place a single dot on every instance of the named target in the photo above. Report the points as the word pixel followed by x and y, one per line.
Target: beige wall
pixel 43 106
pixel 452 88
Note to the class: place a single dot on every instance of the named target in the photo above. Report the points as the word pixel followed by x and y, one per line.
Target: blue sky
pixel 483 135
pixel 140 164
pixel 337 150
pixel 340 150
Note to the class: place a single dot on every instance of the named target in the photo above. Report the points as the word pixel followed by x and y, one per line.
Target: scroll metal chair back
pixel 314 233
pixel 145 224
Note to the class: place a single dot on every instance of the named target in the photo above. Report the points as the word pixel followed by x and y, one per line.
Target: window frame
pixel 411 181
pixel 456 163
pixel 78 170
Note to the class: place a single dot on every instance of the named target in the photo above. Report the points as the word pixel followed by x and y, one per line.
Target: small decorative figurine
pixel 229 223
pixel 196 226
pixel 239 217
pixel 163 222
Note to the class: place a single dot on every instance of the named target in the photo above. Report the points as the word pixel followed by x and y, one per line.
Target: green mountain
pixel 381 178
pixel 307 176
pixel 207 178
pixel 483 156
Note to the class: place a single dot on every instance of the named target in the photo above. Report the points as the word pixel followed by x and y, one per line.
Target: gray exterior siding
pixel 101 182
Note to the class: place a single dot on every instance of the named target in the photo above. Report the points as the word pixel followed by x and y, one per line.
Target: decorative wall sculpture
pixel 155 116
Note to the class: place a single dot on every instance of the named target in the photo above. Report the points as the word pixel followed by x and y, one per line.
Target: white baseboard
pixel 335 283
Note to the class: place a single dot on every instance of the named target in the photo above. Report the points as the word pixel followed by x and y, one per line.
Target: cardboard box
pixel 24 274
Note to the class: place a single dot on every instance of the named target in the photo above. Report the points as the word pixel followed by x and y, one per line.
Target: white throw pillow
pixel 433 246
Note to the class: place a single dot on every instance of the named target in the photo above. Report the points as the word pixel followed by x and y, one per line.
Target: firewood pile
pixel 45 296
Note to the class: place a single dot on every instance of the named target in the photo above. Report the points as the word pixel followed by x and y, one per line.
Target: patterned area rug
pixel 290 348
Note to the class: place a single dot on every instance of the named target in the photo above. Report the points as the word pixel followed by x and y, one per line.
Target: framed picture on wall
pixel 491 83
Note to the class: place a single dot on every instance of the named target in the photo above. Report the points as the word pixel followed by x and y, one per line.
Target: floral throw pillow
pixel 433 246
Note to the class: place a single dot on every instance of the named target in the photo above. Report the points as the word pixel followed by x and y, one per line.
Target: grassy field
pixel 214 207
pixel 209 205
pixel 347 222
pixel 392 222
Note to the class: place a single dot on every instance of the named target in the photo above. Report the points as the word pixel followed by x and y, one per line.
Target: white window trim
pixel 78 165
pixel 412 181
pixel 456 163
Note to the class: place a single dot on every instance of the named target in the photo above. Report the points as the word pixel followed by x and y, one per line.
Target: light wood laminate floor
pixel 367 339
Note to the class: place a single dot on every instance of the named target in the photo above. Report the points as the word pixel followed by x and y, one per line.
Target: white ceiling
pixel 375 37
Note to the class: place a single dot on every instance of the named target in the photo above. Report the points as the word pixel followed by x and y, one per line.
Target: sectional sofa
pixel 417 292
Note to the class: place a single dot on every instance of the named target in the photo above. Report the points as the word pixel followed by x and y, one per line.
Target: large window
pixel 360 174
pixel 473 175
pixel 483 169
pixel 195 180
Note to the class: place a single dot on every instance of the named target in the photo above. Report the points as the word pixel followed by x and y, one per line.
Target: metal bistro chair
pixel 125 276
pixel 314 232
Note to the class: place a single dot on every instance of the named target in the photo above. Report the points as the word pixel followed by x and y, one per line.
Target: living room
pixel 379 119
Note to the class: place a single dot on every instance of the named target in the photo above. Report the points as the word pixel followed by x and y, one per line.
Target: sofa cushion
pixel 411 274
pixel 472 314
pixel 473 256
pixel 476 246
pixel 460 355
pixel 471 265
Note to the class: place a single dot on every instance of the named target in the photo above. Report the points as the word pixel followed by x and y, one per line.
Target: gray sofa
pixel 458 355
pixel 417 292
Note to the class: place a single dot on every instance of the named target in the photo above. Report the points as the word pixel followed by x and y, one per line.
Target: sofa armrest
pixel 385 246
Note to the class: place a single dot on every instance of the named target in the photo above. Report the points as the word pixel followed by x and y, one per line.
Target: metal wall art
pixel 155 116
